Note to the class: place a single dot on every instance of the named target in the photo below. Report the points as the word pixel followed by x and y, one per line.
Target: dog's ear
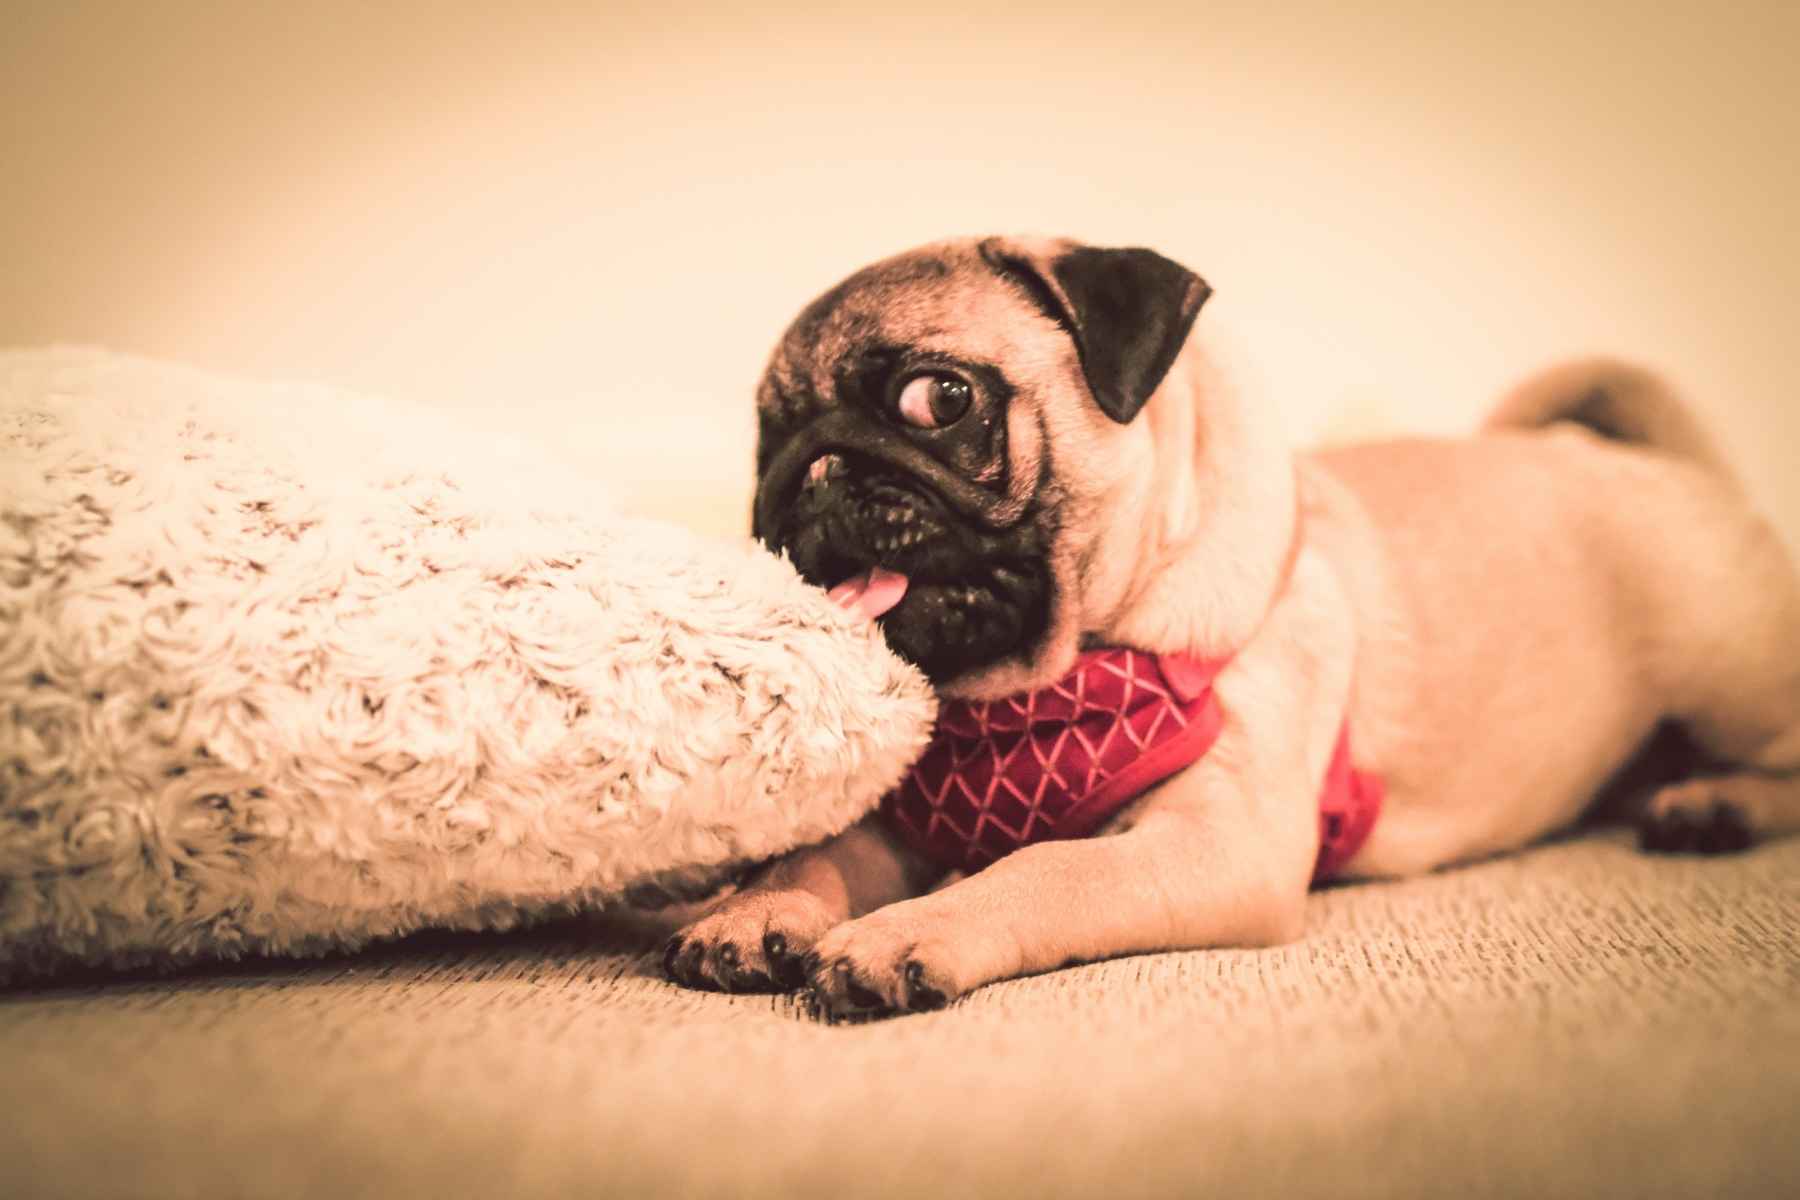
pixel 1128 310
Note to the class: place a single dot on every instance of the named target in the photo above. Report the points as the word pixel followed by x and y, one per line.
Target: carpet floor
pixel 1579 1020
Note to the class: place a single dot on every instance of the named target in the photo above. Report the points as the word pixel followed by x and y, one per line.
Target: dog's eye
pixel 933 401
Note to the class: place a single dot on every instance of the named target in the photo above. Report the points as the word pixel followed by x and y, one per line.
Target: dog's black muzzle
pixel 852 433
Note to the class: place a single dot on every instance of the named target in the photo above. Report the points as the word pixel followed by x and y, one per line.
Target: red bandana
pixel 1057 762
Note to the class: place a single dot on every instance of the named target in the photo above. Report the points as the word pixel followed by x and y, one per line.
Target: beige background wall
pixel 585 224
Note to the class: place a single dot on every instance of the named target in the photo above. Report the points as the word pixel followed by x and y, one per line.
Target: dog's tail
pixel 1616 400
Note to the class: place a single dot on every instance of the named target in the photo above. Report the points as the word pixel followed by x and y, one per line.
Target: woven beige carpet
pixel 1577 1021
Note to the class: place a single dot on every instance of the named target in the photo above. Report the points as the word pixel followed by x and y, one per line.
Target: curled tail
pixel 1616 400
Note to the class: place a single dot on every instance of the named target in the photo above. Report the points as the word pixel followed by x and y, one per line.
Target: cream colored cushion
pixel 283 670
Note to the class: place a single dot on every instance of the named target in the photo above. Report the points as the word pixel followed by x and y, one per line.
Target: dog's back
pixel 1490 649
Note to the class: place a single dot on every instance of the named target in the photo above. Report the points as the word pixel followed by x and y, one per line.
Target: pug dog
pixel 1021 455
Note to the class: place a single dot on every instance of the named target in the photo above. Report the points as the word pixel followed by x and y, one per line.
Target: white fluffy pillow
pixel 283 670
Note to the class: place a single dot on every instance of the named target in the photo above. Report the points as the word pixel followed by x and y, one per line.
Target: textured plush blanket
pixel 284 670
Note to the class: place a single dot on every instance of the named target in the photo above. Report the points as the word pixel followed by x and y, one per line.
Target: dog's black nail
pixel 919 996
pixel 687 966
pixel 671 953
pixel 736 976
pixel 1726 832
pixel 1671 832
pixel 861 996
pixel 787 970
pixel 739 980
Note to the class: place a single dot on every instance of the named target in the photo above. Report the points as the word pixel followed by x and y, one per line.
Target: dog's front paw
pixel 753 942
pixel 896 959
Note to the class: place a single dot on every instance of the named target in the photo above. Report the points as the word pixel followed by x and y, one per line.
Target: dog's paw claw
pixel 1687 823
pixel 837 991
pixel 735 976
pixel 788 971
pixel 863 997
pixel 919 995
pixel 682 962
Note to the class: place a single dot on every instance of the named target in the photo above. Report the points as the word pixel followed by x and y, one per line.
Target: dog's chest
pixel 1059 761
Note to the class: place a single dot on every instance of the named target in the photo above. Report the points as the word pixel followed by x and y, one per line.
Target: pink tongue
pixel 871 593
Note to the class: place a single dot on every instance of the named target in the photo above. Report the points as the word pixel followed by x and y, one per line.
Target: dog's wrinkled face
pixel 909 420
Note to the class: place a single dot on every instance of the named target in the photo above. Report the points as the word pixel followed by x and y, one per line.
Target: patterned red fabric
pixel 1057 762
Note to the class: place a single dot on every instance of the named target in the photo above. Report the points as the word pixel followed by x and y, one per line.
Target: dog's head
pixel 947 436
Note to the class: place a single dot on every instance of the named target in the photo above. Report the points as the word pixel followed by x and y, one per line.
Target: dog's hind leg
pixel 1713 814
pixel 1731 659
pixel 1739 702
